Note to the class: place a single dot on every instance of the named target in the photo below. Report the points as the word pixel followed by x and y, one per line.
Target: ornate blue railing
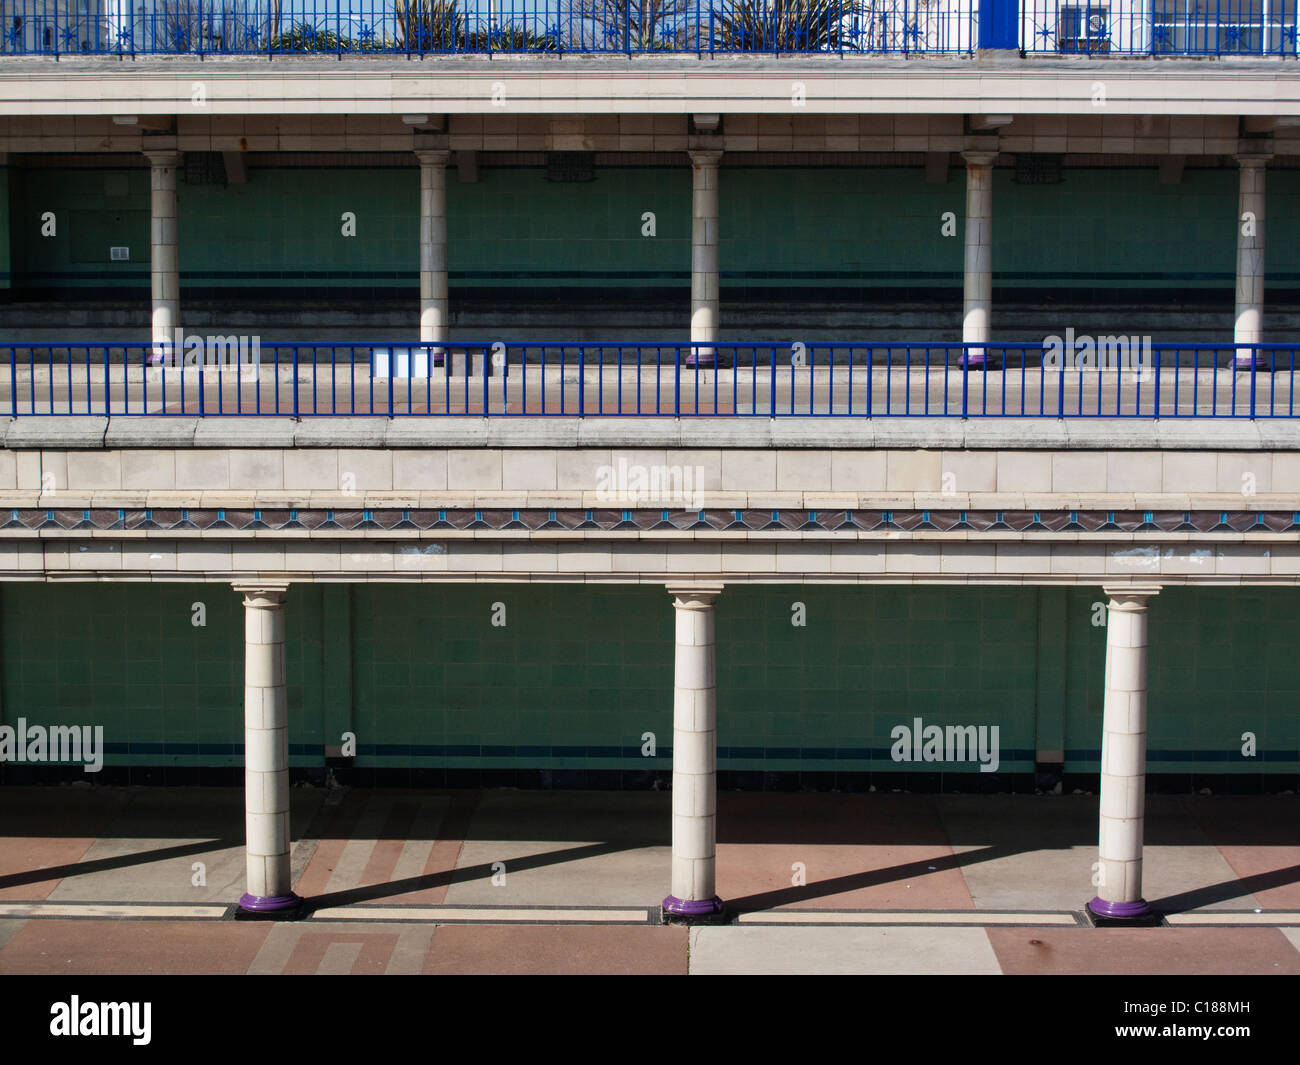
pixel 1124 377
pixel 514 26
pixel 424 27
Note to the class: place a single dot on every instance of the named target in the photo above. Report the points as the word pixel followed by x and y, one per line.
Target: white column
pixel 433 246
pixel 164 258
pixel 1249 322
pixel 704 256
pixel 695 755
pixel 266 751
pixel 977 276
pixel 1123 755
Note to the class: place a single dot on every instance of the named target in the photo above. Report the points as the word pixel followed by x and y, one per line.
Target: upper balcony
pixel 271 28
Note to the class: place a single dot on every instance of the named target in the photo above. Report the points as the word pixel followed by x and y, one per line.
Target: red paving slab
pixel 445 852
pixel 551 950
pixel 372 959
pixel 338 830
pixel 1152 951
pixel 342 827
pixel 1259 838
pixel 58 827
pixel 46 947
pixel 388 848
pixel 31 868
pixel 869 852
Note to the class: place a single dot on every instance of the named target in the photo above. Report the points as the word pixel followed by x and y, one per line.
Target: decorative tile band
pixel 643 520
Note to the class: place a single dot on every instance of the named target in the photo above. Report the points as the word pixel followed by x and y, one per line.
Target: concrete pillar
pixel 266 751
pixel 704 256
pixel 695 756
pixel 1123 755
pixel 1249 321
pixel 977 278
pixel 433 246
pixel 164 257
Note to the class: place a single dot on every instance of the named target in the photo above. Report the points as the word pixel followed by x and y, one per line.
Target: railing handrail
pixel 541 28
pixel 1128 377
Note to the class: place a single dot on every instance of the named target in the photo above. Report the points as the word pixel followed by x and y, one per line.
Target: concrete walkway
pixel 509 881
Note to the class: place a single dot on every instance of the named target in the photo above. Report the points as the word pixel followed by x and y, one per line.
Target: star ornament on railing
pixel 1232 35
pixel 69 34
pixel 367 34
pixel 1045 33
pixel 912 31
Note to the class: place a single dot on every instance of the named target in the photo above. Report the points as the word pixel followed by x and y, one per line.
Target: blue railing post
pixel 965 381
pixel 1254 378
pixel 999 24
pixel 677 380
pixel 295 383
pixel 1155 410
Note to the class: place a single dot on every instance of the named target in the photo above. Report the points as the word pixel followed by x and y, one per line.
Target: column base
pixel 694 911
pixel 974 360
pixel 274 908
pixel 1254 361
pixel 705 360
pixel 1103 914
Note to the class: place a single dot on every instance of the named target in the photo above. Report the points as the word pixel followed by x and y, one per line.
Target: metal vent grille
pixel 1035 168
pixel 570 166
pixel 204 168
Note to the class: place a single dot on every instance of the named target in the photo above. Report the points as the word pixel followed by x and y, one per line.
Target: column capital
pixel 979 156
pixel 433 156
pixel 705 156
pixel 1130 596
pixel 1253 160
pixel 264 594
pixel 162 157
pixel 694 595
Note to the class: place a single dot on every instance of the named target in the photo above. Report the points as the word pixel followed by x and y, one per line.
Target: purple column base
pixel 969 359
pixel 1249 362
pixel 269 904
pixel 704 361
pixel 1102 908
pixel 693 907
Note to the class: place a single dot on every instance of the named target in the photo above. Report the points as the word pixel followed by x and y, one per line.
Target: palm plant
pixel 429 25
pixel 783 25
pixel 510 39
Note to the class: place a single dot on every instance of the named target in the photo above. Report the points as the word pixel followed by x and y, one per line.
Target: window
pixel 1083 29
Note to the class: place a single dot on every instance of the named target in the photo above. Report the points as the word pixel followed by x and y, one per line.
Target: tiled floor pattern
pixel 121 880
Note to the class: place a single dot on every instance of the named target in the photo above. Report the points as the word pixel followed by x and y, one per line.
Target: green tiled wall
pixel 780 227
pixel 285 227
pixel 838 227
pixel 513 227
pixel 4 226
pixel 94 210
pixel 866 660
pixel 1120 228
pixel 577 675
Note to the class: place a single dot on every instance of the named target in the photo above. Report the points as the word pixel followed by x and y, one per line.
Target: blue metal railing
pixel 455 26
pixel 1160 27
pixel 653 379
pixel 271 27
